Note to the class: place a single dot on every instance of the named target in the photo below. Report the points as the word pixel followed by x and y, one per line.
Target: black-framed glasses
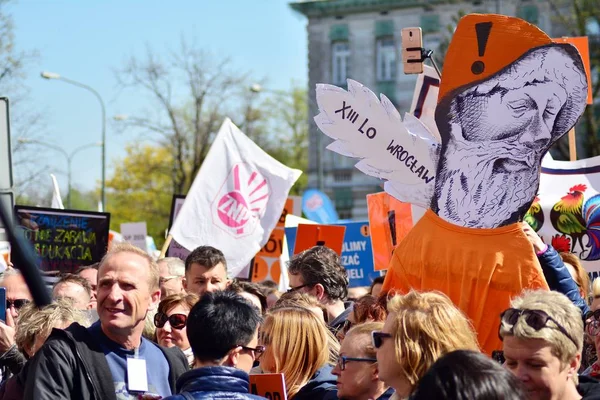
pixel 592 323
pixel 343 360
pixel 256 351
pixel 377 338
pixel 293 289
pixel 17 303
pixel 536 319
pixel 177 321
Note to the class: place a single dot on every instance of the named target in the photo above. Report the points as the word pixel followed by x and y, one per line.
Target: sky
pixel 87 41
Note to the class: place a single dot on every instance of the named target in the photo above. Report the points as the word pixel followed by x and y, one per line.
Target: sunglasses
pixel 343 360
pixel 177 321
pixel 293 289
pixel 18 303
pixel 592 323
pixel 256 351
pixel 377 338
pixel 536 319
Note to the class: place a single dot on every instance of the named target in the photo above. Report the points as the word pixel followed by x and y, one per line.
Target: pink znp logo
pixel 315 201
pixel 242 201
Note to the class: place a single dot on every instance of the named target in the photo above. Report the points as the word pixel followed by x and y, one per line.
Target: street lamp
pixel 68 156
pixel 52 75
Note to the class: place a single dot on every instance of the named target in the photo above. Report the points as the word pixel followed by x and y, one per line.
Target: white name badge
pixel 137 379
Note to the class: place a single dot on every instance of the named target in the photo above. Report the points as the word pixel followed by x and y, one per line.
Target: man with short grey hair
pixel 171 272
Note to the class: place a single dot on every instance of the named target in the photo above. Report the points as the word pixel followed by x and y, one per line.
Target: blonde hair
pixel 426 326
pixel 298 343
pixel 33 322
pixel 365 330
pixel 560 308
pixel 153 281
pixel 581 277
pixel 596 288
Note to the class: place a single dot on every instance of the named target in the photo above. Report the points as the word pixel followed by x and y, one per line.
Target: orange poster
pixel 390 220
pixel 309 236
pixel 270 386
pixel 583 46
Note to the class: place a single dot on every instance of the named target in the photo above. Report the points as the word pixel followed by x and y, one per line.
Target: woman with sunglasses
pixel 298 345
pixel 542 336
pixel 420 328
pixel 171 320
pixel 356 368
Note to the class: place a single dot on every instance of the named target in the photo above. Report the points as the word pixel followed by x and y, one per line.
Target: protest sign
pixel 583 47
pixel 266 265
pixel 270 386
pixel 425 99
pixel 235 200
pixel 64 239
pixel 175 249
pixel 135 233
pixel 565 212
pixel 317 206
pixel 308 236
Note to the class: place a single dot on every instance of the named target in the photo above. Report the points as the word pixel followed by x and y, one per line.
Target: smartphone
pixel 3 304
pixel 412 45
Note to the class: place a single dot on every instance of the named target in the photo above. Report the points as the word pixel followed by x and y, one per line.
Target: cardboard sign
pixel 266 265
pixel 64 239
pixel 318 207
pixel 135 233
pixel 425 99
pixel 583 46
pixel 270 386
pixel 389 220
pixel 175 249
pixel 309 236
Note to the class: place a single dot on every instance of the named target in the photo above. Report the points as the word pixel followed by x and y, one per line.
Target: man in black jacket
pixel 110 359
pixel 223 332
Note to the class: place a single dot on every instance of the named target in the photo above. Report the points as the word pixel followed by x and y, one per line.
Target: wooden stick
pixel 572 145
pixel 165 247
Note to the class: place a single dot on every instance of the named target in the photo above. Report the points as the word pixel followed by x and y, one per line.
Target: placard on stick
pixel 270 386
pixel 309 236
pixel 64 239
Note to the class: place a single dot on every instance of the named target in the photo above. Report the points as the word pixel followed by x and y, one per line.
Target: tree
pixel 139 189
pixel 192 92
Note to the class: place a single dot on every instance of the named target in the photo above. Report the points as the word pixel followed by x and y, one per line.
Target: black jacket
pixel 322 386
pixel 588 388
pixel 209 383
pixel 72 365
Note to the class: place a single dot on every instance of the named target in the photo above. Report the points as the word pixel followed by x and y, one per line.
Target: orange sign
pixel 583 47
pixel 309 236
pixel 270 386
pixel 265 265
pixel 389 220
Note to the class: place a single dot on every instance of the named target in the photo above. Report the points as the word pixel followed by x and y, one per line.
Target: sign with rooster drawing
pixel 566 211
pixel 507 94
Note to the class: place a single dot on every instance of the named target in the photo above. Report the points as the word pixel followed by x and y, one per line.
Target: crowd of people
pixel 132 327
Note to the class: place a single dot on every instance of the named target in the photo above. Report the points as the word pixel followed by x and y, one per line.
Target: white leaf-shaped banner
pixel 404 153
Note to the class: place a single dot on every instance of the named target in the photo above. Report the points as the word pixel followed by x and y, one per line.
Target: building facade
pixel 360 40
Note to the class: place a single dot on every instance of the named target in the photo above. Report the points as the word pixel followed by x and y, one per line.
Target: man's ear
pixel 154 300
pixel 375 373
pixel 184 283
pixel 319 291
pixel 574 365
pixel 233 357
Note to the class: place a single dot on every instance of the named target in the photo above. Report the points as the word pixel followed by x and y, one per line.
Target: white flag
pixel 235 200
pixel 56 199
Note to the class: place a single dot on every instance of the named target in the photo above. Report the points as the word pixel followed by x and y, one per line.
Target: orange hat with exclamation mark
pixel 484 44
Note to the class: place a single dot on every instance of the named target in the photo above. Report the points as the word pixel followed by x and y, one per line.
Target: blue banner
pixel 318 207
pixel 357 252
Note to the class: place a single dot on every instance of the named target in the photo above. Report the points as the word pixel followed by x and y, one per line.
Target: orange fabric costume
pixel 479 269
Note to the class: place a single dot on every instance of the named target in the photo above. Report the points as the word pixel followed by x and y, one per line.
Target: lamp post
pixel 68 156
pixel 52 75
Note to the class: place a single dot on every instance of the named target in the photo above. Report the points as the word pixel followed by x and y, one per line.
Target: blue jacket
pixel 559 278
pixel 322 386
pixel 208 383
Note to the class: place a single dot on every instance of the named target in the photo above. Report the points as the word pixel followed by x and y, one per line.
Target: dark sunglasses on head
pixel 592 323
pixel 18 303
pixel 343 360
pixel 177 321
pixel 536 319
pixel 378 337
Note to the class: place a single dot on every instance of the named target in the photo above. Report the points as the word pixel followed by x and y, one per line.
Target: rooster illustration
pixel 573 217
pixel 535 215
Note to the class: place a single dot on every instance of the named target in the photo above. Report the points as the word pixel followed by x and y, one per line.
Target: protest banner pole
pixel 572 145
pixel 165 247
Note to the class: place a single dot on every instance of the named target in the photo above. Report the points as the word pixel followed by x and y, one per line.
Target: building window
pixel 386 59
pixel 340 62
pixel 430 23
pixel 529 13
pixel 342 176
pixel 344 202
